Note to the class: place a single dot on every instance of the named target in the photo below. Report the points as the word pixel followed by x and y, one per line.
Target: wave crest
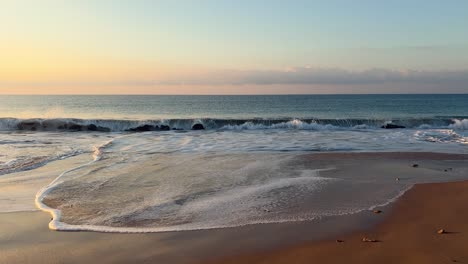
pixel 121 125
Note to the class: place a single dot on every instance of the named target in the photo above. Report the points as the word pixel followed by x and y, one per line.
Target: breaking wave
pixel 116 125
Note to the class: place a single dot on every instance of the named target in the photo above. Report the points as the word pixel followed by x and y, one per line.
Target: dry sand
pixel 407 230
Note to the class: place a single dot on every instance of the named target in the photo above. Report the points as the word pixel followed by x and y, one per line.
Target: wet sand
pixel 409 234
pixel 407 229
pixel 25 238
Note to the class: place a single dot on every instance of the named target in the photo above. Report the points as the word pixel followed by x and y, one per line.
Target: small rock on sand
pixel 366 239
pixel 339 241
pixel 377 211
pixel 415 165
pixel 441 231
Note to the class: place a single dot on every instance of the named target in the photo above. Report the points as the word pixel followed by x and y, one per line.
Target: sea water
pixel 148 171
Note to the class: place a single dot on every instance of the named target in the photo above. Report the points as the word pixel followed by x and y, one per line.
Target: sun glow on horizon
pixel 223 47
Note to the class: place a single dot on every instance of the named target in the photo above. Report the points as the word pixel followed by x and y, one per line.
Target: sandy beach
pixel 232 132
pixel 406 230
pixel 409 234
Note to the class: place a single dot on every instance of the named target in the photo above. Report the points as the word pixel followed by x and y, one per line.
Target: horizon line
pixel 276 94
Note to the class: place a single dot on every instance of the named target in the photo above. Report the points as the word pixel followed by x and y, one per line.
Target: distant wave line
pixel 124 125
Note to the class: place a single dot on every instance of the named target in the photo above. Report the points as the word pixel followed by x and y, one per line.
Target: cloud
pixel 307 76
pixel 323 76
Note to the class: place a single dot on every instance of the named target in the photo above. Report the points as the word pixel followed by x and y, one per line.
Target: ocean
pixel 149 170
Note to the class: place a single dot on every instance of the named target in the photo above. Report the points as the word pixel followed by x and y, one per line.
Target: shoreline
pixel 343 159
pixel 25 238
pixel 409 233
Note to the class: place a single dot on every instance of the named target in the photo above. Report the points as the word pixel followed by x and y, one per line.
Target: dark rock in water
pixel 103 129
pixel 64 126
pixel 198 127
pixel 92 127
pixel 146 128
pixel 143 128
pixel 392 126
pixel 50 124
pixel 32 125
pixel 164 128
pixel 75 127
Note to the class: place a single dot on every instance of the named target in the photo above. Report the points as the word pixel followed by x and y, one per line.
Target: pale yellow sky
pixel 241 47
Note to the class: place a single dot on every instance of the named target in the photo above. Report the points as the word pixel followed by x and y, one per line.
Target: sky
pixel 233 47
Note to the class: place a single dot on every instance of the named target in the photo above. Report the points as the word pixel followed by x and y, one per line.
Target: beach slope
pixel 409 234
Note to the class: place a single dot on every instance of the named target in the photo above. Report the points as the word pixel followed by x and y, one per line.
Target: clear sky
pixel 233 47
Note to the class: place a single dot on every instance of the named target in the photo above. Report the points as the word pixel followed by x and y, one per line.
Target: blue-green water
pixel 119 113
pixel 246 166
pixel 237 107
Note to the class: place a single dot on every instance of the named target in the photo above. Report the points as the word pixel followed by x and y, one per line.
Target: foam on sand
pixel 40 195
pixel 235 200
pixel 130 188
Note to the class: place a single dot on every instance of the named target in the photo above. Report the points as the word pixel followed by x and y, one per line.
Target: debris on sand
pixel 366 239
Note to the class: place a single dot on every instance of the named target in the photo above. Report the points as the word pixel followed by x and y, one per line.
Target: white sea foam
pixel 28 151
pixel 246 167
pixel 293 124
pixel 120 125
pixel 234 200
pixel 56 214
pixel 461 124
pixel 153 181
pixel 218 204
pixel 393 199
